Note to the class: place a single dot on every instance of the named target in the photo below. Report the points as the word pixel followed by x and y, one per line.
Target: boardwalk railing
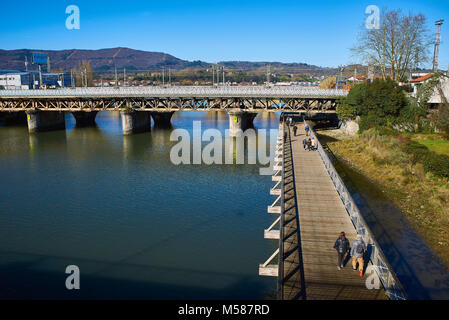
pixel 277 207
pixel 381 266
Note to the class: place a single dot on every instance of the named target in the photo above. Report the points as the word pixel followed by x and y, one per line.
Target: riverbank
pixel 421 196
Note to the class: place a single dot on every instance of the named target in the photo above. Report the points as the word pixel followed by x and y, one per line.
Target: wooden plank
pixel 269 271
pixel 276 209
pixel 272 234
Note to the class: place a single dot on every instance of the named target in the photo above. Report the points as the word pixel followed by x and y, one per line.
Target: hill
pixel 106 60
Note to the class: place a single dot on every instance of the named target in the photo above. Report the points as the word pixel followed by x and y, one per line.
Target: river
pixel 136 225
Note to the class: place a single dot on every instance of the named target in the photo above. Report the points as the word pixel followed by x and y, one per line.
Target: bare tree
pixel 84 74
pixel 401 43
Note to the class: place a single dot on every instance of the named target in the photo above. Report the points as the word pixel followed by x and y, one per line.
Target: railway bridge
pixel 45 108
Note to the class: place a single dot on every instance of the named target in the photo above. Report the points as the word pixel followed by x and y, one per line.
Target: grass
pixel 421 196
pixel 434 143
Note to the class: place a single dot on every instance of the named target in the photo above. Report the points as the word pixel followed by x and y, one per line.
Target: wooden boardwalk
pixel 313 218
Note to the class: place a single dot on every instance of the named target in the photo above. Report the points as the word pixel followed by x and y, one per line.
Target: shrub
pixel 437 164
pixel 416 151
pixel 382 105
pixel 348 107
pixel 329 83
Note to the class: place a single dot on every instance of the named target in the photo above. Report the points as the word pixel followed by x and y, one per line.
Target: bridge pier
pixel 162 120
pixel 85 118
pixel 240 121
pixel 39 121
pixel 135 122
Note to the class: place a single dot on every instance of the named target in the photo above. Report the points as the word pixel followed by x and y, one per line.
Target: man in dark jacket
pixel 342 246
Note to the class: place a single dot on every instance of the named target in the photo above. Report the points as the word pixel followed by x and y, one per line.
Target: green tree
pixel 348 108
pixel 382 105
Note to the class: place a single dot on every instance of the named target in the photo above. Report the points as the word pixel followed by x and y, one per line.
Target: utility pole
pixel 223 76
pixel 116 78
pixel 163 76
pixel 124 77
pixel 213 75
pixel 437 45
pixel 268 74
pixel 40 77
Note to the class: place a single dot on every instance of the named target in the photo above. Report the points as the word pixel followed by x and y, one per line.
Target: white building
pixel 436 98
pixel 14 81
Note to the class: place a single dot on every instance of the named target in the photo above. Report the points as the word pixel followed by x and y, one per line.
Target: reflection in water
pixel 137 226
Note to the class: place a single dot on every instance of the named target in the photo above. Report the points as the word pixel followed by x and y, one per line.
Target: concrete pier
pixel 85 118
pixel 239 121
pixel 135 122
pixel 39 121
pixel 162 120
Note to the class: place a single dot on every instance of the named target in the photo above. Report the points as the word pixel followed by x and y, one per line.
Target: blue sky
pixel 314 32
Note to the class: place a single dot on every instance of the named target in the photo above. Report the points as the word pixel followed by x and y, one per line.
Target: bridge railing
pixel 381 266
pixel 181 91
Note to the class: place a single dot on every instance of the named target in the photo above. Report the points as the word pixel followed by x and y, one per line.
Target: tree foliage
pixel 379 104
pixel 328 83
pixel 383 103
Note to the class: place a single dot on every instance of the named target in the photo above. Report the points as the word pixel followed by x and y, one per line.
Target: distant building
pixel 19 80
pixel 436 98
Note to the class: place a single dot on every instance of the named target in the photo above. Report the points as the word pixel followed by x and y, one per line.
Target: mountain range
pixel 106 60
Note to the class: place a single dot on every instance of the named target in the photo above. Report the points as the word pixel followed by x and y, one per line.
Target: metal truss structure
pixel 251 99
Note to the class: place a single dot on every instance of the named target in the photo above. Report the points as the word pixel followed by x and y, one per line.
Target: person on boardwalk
pixel 342 247
pixel 357 252
pixel 307 130
pixel 304 143
pixel 314 144
pixel 309 144
pixel 295 129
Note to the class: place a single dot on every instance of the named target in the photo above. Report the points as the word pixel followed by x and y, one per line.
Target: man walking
pixel 295 129
pixel 357 252
pixel 314 145
pixel 307 130
pixel 342 247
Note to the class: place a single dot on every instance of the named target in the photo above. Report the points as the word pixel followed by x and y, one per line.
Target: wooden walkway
pixel 313 218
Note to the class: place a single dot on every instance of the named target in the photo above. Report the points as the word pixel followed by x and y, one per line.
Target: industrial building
pixel 25 80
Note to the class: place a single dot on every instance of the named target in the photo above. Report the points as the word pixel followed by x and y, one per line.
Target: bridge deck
pixel 321 217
